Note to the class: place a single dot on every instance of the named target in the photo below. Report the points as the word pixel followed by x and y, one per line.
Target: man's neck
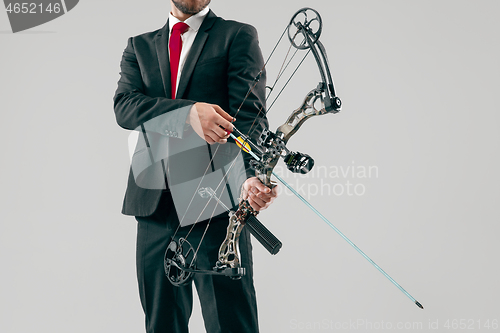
pixel 179 15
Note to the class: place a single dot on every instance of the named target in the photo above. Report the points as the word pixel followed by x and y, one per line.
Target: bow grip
pixel 263 235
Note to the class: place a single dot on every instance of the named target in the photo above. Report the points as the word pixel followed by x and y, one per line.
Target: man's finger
pixel 266 197
pixel 257 200
pixel 215 138
pixel 225 124
pixel 220 132
pixel 261 187
pixel 227 120
pixel 209 139
pixel 274 191
pixel 223 113
pixel 255 203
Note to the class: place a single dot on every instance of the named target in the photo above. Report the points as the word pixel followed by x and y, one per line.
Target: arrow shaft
pixel 347 239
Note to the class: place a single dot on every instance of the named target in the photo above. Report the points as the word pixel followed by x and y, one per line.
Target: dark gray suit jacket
pixel 219 69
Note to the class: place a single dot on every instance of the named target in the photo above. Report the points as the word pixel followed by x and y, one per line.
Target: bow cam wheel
pixel 306 21
pixel 179 256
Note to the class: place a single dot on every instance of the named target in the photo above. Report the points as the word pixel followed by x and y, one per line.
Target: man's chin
pixel 189 10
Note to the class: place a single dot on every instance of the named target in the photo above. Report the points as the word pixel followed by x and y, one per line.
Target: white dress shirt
pixel 188 37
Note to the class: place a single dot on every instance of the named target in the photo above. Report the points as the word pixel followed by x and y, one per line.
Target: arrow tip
pixel 419 305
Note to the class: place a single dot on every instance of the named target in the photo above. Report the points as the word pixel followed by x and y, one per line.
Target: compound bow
pixel 180 255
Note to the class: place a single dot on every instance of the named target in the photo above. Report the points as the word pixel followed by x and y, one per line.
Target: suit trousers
pixel 227 305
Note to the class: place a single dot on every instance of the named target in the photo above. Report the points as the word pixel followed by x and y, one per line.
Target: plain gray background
pixel 419 82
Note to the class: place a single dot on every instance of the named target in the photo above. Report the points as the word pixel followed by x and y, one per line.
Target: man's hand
pixel 206 120
pixel 258 195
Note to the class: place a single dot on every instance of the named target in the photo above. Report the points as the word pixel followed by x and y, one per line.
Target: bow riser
pixel 300 115
pixel 229 252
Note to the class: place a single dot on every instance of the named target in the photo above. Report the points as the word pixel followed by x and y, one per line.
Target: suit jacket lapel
pixel 194 52
pixel 161 42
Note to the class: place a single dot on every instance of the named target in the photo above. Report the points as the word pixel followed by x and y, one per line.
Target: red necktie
pixel 175 46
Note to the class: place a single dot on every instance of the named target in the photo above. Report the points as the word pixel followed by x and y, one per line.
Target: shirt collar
pixel 194 21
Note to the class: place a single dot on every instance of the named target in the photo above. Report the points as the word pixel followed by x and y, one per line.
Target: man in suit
pixel 218 63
